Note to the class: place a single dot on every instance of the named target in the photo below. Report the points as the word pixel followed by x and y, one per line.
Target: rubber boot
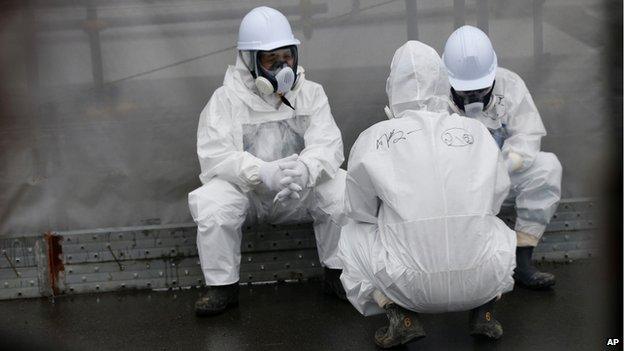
pixel 483 324
pixel 216 299
pixel 403 327
pixel 332 284
pixel 527 275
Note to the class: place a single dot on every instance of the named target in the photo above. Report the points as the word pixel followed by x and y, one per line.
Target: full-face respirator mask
pixel 280 77
pixel 472 102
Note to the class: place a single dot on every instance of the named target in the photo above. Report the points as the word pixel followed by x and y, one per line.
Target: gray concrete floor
pixel 287 316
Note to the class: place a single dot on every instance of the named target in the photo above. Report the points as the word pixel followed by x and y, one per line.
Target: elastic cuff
pixel 313 171
pixel 220 280
pixel 309 183
pixel 332 263
pixel 514 162
pixel 251 173
pixel 530 227
pixel 380 298
pixel 526 240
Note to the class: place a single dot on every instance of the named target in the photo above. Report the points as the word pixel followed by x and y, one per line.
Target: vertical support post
pixel 43 276
pixel 459 13
pixel 55 265
pixel 538 30
pixel 31 63
pixel 355 8
pixel 412 23
pixel 306 18
pixel 92 26
pixel 483 16
pixel 30 41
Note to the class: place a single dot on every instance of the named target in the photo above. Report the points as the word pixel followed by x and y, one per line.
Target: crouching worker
pixel 269 150
pixel 423 190
pixel 500 100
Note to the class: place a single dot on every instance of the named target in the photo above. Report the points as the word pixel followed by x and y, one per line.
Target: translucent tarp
pixel 100 99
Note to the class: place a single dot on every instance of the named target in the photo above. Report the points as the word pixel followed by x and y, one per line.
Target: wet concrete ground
pixel 298 316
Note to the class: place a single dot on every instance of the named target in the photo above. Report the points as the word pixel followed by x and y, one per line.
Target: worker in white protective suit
pixel 269 150
pixel 423 190
pixel 500 100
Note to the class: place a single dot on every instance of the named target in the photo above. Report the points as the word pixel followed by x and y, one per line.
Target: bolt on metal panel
pixel 19 269
pixel 165 256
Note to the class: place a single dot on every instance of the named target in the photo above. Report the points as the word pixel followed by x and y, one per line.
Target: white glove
pixel 289 193
pixel 295 172
pixel 514 162
pixel 271 175
pixel 296 178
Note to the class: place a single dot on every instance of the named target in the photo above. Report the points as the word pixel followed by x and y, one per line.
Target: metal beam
pixel 92 26
pixel 483 16
pixel 538 29
pixel 174 18
pixel 411 9
pixel 165 256
pixel 30 47
pixel 459 13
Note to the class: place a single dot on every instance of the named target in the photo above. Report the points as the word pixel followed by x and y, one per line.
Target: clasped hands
pixel 288 176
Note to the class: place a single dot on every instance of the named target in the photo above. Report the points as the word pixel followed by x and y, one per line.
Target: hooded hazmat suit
pixel 515 123
pixel 423 190
pixel 238 131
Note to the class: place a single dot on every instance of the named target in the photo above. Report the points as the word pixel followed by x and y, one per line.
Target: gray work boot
pixel 403 327
pixel 216 299
pixel 483 324
pixel 527 275
pixel 332 284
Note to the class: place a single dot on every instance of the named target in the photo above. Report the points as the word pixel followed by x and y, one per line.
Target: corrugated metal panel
pixel 22 274
pixel 162 257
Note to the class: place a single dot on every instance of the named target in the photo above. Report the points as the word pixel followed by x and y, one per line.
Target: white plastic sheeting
pixel 75 156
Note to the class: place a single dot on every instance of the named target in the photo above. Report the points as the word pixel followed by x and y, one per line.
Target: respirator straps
pixel 285 101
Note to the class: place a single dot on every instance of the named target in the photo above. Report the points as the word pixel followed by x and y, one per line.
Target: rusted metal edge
pixel 55 261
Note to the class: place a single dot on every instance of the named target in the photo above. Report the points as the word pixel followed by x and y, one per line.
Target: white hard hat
pixel 264 28
pixel 469 59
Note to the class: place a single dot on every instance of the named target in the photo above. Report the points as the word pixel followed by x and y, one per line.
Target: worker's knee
pixel 217 200
pixel 544 174
pixel 550 166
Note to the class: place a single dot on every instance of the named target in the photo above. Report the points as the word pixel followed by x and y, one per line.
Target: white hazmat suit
pixel 515 123
pixel 238 131
pixel 423 190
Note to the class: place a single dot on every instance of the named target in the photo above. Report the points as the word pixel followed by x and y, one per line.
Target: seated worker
pixel 423 190
pixel 500 100
pixel 269 150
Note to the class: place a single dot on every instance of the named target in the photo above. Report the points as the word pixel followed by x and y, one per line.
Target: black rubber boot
pixel 483 324
pixel 527 275
pixel 216 299
pixel 332 284
pixel 403 327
